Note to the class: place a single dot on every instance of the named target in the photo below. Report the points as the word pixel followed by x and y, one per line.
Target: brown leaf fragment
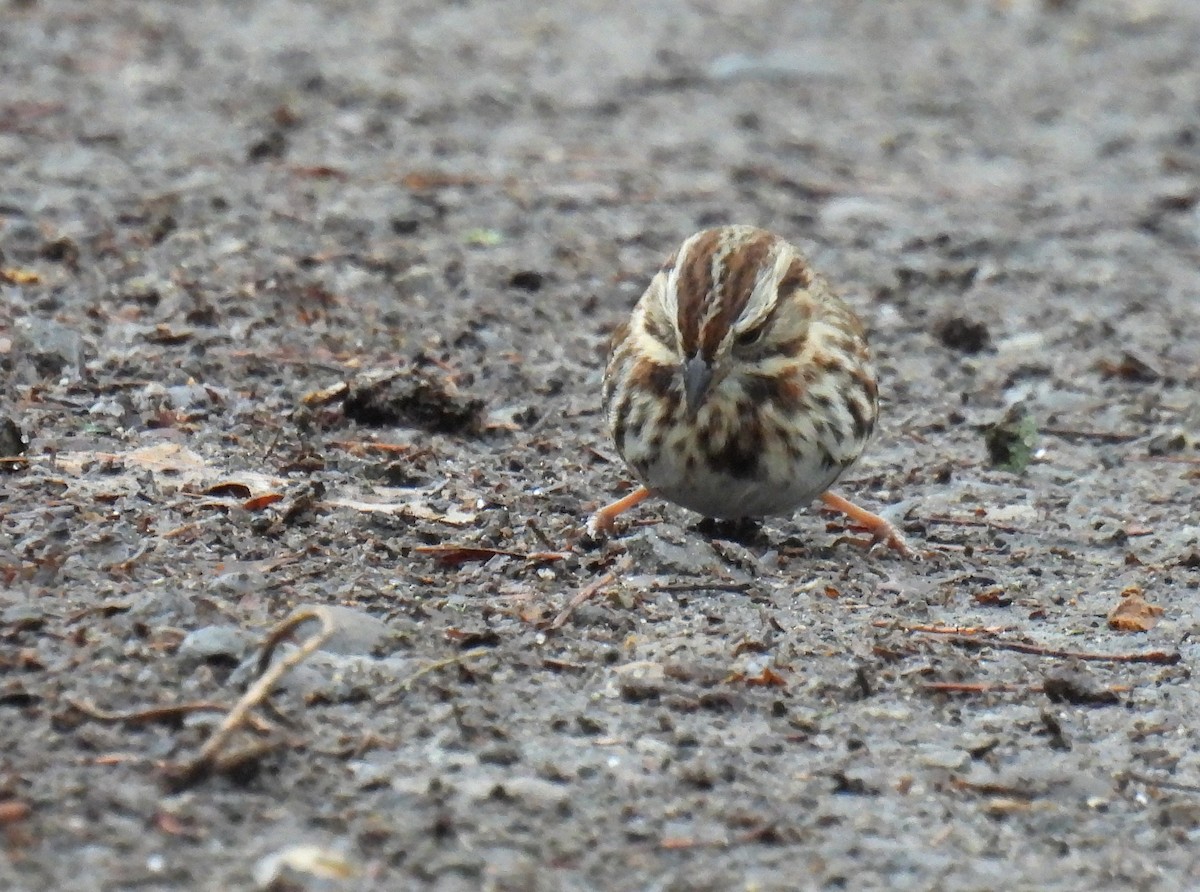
pixel 325 395
pixel 995 596
pixel 228 490
pixel 169 337
pixel 1129 368
pixel 453 555
pixel 13 810
pixel 365 447
pixel 425 181
pixel 1133 613
pixel 319 172
pixel 751 646
pixel 172 826
pixel 258 503
pixel 764 678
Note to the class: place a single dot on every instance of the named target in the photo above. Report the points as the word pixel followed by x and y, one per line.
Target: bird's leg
pixel 881 531
pixel 602 522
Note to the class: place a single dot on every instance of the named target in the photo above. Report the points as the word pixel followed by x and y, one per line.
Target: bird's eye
pixel 750 338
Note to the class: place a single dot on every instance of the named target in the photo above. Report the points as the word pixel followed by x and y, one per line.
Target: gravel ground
pixel 303 308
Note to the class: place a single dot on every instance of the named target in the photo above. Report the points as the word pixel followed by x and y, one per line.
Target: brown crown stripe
pixel 798 275
pixel 801 310
pixel 694 284
pixel 743 266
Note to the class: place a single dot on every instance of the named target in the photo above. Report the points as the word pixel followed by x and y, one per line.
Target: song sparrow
pixel 741 386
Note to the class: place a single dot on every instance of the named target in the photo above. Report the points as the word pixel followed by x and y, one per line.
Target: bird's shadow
pixel 746 531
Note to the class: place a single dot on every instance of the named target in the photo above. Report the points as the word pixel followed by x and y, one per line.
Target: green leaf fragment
pixel 1011 441
pixel 485 238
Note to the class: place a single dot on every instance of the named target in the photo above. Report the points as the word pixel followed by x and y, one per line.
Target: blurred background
pixel 218 218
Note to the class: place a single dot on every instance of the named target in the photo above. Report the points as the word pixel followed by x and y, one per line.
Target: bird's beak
pixel 697 378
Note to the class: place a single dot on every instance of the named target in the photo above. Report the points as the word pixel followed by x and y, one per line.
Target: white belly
pixel 785 488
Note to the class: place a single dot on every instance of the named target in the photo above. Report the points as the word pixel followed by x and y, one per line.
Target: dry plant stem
pixel 979 687
pixel 153 714
pixel 588 592
pixel 998 687
pixel 1176 459
pixel 278 635
pixel 1163 783
pixel 1103 436
pixel 881 531
pixel 1153 656
pixel 436 665
pixel 984 636
pixel 943 630
pixel 269 676
pixel 975 522
pixel 442 664
pixel 603 522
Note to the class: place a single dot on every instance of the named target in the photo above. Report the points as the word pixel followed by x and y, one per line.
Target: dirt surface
pixel 305 304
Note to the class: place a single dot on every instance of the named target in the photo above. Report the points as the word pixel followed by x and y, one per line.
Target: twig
pixel 1157 782
pixel 172 713
pixel 973 522
pixel 533 527
pixel 274 442
pixel 1103 436
pixel 1000 687
pixel 264 670
pixel 207 761
pixel 433 667
pixel 1177 459
pixel 1153 656
pixel 358 447
pixel 979 687
pixel 442 664
pixel 757 834
pixel 995 789
pixel 943 630
pixel 452 554
pixel 972 636
pixel 588 592
pixel 180 531
pixel 736 588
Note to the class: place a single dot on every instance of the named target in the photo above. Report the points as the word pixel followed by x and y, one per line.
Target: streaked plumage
pixel 741 386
